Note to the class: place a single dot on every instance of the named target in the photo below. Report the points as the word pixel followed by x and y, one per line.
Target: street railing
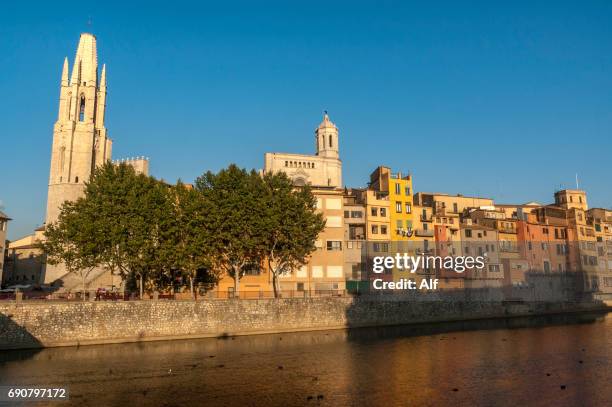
pixel 134 296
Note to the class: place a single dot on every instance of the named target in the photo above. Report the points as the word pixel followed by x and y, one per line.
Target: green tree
pixel 291 223
pixel 68 242
pixel 136 223
pixel 117 224
pixel 237 218
pixel 189 238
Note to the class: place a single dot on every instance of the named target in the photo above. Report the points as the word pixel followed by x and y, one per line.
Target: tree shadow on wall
pixel 547 296
pixel 16 343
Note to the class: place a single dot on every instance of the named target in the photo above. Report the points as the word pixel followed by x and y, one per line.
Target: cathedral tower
pixel 80 141
pixel 326 136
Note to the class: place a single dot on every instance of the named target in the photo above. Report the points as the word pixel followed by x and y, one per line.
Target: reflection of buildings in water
pixel 404 365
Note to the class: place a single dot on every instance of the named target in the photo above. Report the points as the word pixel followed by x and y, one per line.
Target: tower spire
pixel 65 72
pixel 80 140
pixel 85 68
pixel 103 77
pixel 101 99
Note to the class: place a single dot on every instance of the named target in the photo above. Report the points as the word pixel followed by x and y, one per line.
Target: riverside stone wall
pixel 41 324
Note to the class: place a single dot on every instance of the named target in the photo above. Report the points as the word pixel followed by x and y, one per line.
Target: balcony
pixel 424 233
pixel 508 249
pixel 440 211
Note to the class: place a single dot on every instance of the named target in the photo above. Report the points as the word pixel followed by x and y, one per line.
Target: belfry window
pixel 330 141
pixel 82 109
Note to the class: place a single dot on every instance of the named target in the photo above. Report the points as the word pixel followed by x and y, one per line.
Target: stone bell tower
pixel 326 136
pixel 80 140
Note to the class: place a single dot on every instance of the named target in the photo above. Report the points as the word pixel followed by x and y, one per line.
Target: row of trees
pixel 146 230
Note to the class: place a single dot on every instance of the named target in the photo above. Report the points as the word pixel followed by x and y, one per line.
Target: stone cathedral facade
pixel 324 169
pixel 80 144
pixel 80 139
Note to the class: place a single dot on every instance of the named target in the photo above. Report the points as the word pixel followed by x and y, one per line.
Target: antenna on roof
pixel 577 185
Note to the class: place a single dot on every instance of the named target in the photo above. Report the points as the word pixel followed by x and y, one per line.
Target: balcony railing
pixel 424 233
pixel 508 249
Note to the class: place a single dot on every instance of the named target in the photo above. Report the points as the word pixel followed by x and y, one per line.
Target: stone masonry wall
pixel 42 324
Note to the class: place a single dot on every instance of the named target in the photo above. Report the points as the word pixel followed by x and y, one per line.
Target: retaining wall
pixel 43 324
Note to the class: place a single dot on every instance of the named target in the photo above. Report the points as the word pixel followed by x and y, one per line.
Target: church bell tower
pixel 80 140
pixel 326 138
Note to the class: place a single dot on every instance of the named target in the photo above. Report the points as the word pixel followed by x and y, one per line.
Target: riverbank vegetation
pixel 154 234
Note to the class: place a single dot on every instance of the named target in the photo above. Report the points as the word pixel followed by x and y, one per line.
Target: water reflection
pixel 464 363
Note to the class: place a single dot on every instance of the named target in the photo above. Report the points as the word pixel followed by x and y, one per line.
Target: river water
pixel 540 361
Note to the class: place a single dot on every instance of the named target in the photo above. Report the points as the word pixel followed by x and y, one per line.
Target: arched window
pixel 82 109
pixel 330 140
pixel 76 180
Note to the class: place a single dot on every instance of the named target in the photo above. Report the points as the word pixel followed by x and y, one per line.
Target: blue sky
pixel 508 102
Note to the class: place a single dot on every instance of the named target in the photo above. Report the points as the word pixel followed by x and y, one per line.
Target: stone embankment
pixel 44 324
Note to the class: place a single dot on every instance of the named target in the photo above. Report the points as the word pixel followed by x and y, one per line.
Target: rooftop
pixel 455 196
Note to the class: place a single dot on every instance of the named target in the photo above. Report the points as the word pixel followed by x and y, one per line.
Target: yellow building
pixel 398 190
pixel 377 215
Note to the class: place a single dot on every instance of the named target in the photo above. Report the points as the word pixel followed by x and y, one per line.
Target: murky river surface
pixel 552 361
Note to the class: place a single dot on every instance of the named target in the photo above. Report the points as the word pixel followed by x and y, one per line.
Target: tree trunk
pixel 274 278
pixel 141 286
pixel 237 283
pixel 275 284
pixel 191 286
pixel 278 288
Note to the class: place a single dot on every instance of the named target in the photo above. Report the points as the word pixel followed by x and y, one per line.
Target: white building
pixel 324 169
